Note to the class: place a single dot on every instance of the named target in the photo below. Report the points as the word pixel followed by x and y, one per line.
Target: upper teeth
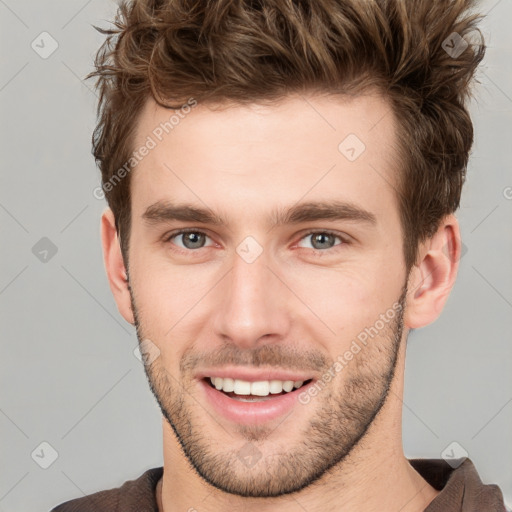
pixel 260 388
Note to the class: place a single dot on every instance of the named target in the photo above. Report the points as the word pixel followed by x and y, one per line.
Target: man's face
pixel 256 300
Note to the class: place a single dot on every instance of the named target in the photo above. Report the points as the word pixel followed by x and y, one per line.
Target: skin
pixel 299 305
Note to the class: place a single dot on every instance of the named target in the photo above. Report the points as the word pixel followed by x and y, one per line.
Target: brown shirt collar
pixel 461 487
pixel 461 491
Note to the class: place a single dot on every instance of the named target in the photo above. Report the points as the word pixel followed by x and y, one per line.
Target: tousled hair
pixel 420 54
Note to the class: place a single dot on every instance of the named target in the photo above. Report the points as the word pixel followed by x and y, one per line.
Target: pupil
pixel 321 239
pixel 192 240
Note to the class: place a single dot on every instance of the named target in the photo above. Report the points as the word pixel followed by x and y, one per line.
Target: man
pixel 282 179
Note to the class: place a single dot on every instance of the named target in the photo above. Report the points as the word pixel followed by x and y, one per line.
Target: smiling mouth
pixel 244 391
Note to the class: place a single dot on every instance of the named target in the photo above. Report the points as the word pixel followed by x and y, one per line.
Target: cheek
pixel 167 295
pixel 347 299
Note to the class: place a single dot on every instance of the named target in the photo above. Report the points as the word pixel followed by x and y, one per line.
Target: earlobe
pixel 432 278
pixel 114 265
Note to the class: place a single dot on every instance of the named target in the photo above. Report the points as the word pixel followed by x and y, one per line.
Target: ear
pixel 114 265
pixel 431 279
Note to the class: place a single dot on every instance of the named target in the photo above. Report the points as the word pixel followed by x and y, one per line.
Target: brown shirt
pixel 461 491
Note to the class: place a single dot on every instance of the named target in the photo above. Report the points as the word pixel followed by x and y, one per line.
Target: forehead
pixel 319 114
pixel 322 147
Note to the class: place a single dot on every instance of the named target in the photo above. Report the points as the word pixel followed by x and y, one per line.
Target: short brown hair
pixel 249 51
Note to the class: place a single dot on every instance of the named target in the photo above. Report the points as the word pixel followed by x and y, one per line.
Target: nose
pixel 253 303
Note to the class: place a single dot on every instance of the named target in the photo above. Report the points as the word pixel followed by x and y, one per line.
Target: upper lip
pixel 253 375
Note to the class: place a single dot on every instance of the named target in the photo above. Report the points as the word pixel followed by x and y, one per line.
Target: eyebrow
pixel 160 212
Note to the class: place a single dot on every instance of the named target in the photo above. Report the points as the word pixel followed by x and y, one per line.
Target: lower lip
pixel 250 413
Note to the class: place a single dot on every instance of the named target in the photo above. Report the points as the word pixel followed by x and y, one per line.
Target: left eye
pixel 322 239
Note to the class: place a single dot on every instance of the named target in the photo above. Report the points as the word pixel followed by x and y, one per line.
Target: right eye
pixel 190 238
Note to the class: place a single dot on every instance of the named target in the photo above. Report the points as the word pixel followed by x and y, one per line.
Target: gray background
pixel 69 376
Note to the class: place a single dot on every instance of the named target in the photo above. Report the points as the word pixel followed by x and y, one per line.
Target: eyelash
pixel 175 234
